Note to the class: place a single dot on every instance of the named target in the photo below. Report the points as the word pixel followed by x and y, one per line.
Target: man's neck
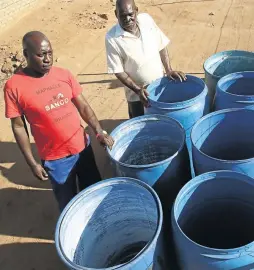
pixel 32 73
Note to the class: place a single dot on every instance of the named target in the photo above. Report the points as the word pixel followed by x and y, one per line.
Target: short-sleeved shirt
pixel 47 105
pixel 139 57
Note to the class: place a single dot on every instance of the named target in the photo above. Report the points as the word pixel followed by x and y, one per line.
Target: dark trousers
pixel 136 108
pixel 81 172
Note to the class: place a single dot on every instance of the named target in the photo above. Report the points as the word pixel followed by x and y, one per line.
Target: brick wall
pixel 12 9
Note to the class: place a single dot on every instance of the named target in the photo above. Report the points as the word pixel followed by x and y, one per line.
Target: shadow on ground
pixel 113 84
pixel 14 167
pixel 30 256
pixel 28 213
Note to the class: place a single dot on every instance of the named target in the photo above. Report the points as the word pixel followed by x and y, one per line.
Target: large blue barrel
pixel 152 148
pixel 235 90
pixel 224 63
pixel 114 224
pixel 213 221
pixel 224 140
pixel 186 102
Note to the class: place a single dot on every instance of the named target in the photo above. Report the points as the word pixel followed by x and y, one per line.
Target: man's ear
pixel 137 9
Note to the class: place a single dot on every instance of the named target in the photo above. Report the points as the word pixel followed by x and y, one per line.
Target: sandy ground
pixel 197 29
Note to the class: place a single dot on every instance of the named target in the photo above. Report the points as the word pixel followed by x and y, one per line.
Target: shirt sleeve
pixel 75 86
pixel 114 60
pixel 12 107
pixel 163 41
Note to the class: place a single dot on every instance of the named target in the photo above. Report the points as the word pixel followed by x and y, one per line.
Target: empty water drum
pixel 114 224
pixel 152 148
pixel 235 90
pixel 213 221
pixel 224 140
pixel 224 63
pixel 185 101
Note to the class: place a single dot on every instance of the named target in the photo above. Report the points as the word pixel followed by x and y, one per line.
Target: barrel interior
pixel 219 214
pixel 147 142
pixel 226 64
pixel 167 91
pixel 226 136
pixel 242 86
pixel 109 226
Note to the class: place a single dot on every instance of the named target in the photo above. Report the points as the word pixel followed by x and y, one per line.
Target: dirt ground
pixel 197 29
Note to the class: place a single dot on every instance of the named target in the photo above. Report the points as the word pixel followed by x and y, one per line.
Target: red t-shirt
pixel 47 104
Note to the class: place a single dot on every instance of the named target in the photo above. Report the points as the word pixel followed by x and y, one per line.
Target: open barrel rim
pixel 94 188
pixel 221 56
pixel 209 176
pixel 234 76
pixel 144 118
pixel 179 104
pixel 204 118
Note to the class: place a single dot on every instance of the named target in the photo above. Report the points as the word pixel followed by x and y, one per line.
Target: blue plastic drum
pixel 235 90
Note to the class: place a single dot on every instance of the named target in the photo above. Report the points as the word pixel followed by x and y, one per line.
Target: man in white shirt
pixel 137 54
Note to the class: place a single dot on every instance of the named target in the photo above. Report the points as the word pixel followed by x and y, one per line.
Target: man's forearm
pixel 165 60
pixel 23 142
pixel 90 118
pixel 127 81
pixel 87 113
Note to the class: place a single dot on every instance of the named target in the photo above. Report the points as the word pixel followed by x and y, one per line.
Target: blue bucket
pixel 224 140
pixel 235 90
pixel 213 221
pixel 152 148
pixel 114 224
pixel 224 63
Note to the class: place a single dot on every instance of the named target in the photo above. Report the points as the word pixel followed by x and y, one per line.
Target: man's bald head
pixel 121 4
pixel 126 13
pixel 37 51
pixel 33 38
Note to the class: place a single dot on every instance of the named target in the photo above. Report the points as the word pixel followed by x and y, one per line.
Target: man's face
pixel 127 16
pixel 39 56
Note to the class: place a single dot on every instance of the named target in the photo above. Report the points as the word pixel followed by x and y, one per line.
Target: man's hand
pixel 127 81
pixel 39 172
pixel 176 75
pixel 143 94
pixel 105 140
pixel 172 75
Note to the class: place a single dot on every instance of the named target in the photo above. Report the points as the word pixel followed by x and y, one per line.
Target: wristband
pixel 103 132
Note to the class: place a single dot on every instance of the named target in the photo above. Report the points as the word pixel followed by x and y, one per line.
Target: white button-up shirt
pixel 139 57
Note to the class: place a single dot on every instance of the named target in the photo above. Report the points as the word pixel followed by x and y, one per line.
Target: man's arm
pixel 168 69
pixel 88 115
pixel 22 139
pixel 165 60
pixel 127 81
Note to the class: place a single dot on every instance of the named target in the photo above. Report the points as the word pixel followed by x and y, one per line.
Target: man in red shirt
pixel 50 99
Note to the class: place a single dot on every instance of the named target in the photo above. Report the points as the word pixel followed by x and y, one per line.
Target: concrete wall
pixel 11 10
